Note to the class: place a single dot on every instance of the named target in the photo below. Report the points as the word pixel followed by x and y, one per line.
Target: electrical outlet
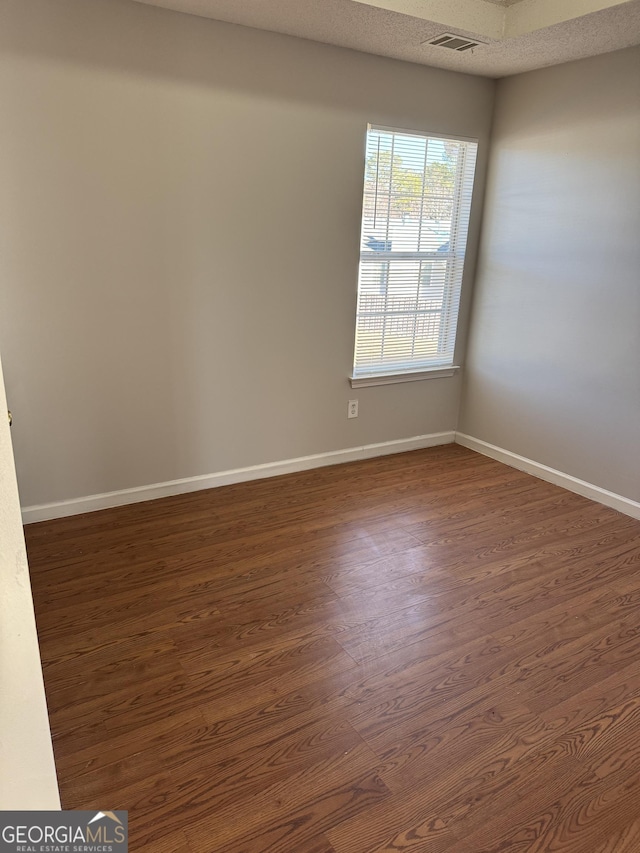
pixel 352 411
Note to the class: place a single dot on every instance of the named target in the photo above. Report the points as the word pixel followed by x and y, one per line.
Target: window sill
pixel 392 378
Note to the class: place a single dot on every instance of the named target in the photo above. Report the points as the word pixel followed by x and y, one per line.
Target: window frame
pixel 380 376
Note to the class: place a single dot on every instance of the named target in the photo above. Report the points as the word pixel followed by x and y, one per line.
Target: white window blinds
pixel 415 217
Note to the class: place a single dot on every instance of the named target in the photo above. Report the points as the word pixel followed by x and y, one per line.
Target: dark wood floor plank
pixel 136 663
pixel 608 744
pixel 154 742
pixel 423 816
pixel 237 773
pixel 335 778
pixel 626 840
pixel 597 698
pixel 409 685
pixel 296 827
pixel 428 652
pixel 174 842
pixel 572 819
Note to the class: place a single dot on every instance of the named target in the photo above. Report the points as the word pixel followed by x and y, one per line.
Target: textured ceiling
pixel 520 35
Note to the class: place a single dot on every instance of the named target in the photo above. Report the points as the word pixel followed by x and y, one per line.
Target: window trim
pixel 454 137
pixel 435 372
pixel 445 370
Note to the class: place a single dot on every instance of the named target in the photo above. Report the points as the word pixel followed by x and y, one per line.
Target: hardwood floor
pixel 424 652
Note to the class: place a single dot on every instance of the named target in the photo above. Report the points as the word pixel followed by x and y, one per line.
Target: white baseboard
pixel 551 475
pixel 90 503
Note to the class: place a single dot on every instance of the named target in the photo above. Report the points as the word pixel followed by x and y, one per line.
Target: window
pixel 415 217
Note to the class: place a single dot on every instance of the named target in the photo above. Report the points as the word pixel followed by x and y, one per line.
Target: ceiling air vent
pixel 453 42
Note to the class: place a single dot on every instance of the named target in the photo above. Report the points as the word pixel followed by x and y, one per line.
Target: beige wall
pixel 27 772
pixel 553 367
pixel 179 230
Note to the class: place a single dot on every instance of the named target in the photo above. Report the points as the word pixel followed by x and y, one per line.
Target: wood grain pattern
pixel 428 652
pixel 626 840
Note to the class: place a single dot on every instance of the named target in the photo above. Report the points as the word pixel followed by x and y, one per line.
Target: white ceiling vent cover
pixel 453 42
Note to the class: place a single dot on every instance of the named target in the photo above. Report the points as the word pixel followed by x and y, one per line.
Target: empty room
pixel 320 480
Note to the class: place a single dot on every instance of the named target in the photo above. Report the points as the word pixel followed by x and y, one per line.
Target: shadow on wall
pixel 151 41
